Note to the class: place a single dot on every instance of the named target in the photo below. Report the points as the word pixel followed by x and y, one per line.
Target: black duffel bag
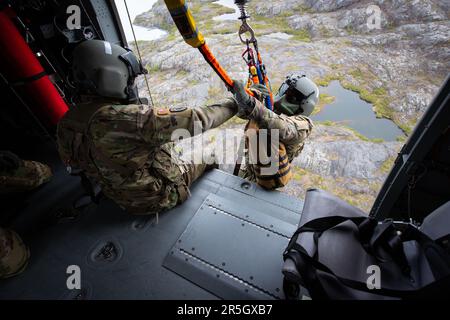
pixel 340 253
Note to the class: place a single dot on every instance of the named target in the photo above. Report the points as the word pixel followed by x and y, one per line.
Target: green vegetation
pixel 153 68
pixel 324 99
pixel 263 25
pixel 334 66
pixel 357 74
pixel 401 138
pixel 181 73
pixel 325 81
pixel 327 123
pixel 314 59
pixel 204 14
pixel 349 29
pixel 325 32
pixel 408 127
pixel 337 186
pixel 387 165
pixel 363 137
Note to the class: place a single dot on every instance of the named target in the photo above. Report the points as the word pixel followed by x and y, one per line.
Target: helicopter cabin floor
pixel 226 241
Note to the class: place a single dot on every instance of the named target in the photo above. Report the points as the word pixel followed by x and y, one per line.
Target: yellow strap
pixel 185 22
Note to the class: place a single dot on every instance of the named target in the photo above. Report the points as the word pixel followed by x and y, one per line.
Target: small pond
pixel 355 113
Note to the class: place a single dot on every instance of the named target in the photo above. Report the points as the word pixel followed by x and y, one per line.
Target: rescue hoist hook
pixel 256 68
pixel 245 27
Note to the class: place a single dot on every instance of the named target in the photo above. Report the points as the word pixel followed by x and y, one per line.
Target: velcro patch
pixel 177 109
pixel 163 112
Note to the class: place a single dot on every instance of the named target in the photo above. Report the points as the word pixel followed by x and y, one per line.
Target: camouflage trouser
pixel 164 194
pixel 190 173
pixel 14 254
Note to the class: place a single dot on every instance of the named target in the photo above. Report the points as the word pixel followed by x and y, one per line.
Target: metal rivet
pixel 251 277
pixel 223 264
pixel 245 185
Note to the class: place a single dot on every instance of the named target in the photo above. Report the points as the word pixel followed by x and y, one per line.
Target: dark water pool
pixel 357 114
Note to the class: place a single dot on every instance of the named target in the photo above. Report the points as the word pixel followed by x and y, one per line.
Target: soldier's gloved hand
pixel 9 161
pixel 260 91
pixel 245 103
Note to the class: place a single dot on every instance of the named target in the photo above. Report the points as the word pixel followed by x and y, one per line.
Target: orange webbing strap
pixel 212 61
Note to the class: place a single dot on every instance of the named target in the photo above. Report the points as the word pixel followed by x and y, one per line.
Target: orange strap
pixel 212 61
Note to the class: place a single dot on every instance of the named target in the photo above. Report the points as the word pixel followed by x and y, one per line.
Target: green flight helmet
pixel 298 95
pixel 106 69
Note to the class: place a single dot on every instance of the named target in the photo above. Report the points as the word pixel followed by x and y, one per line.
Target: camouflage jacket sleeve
pixel 293 130
pixel 158 125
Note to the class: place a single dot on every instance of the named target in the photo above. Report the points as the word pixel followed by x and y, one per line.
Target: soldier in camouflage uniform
pixel 126 146
pixel 17 175
pixel 294 102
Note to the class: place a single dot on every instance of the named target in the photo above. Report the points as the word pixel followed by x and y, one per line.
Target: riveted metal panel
pixel 233 250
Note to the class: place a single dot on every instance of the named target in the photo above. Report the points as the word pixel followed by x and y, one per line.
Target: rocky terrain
pixel 398 68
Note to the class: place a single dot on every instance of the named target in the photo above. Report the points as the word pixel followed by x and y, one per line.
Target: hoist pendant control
pixel 185 22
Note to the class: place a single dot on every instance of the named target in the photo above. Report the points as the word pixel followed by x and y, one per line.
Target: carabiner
pixel 244 28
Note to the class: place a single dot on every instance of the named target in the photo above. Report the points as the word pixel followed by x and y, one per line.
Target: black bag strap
pixel 372 234
pixel 309 266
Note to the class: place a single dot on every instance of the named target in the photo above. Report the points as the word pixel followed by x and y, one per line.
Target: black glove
pixel 9 161
pixel 260 91
pixel 245 103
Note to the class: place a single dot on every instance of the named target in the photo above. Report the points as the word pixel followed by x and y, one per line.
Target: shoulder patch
pixel 163 112
pixel 177 109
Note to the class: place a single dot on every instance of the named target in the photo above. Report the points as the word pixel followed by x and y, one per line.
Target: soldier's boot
pixel 14 255
pixel 29 175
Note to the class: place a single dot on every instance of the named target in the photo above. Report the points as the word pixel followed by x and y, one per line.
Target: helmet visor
pixel 294 96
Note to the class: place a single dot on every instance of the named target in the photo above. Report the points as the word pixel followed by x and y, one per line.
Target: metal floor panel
pixel 234 248
pixel 121 256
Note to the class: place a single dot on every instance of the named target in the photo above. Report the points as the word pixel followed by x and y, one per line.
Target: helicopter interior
pixel 225 242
